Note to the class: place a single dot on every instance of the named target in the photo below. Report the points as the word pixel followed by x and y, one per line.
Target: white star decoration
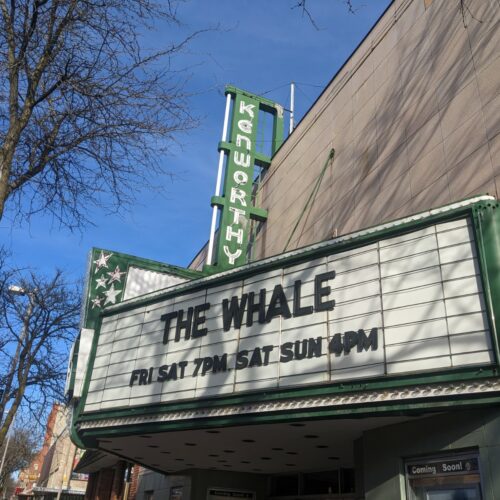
pixel 96 302
pixel 116 275
pixel 100 282
pixel 111 295
pixel 102 261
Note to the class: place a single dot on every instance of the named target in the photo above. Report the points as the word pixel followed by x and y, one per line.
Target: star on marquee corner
pixel 116 275
pixel 96 302
pixel 100 282
pixel 102 261
pixel 111 295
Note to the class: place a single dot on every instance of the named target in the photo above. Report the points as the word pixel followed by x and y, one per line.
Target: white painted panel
pixel 101 361
pixel 310 264
pixel 303 366
pixel 108 324
pixel 418 295
pixel 271 371
pixel 470 342
pixel 356 308
pixel 473 358
pixel 461 269
pixel 97 384
pixel 220 390
pixel 257 385
pixel 415 331
pixel 258 280
pixel 146 400
pixel 463 305
pixel 421 233
pixel 177 396
pixel 298 334
pixel 359 359
pixel 305 275
pixel 305 321
pixel 141 281
pixel 413 263
pixel 126 343
pixel 418 365
pixel 364 321
pixel 453 253
pixel 414 279
pixel 355 292
pixel 250 343
pixel 304 379
pixel 468 323
pixel 369 273
pixel 358 372
pixel 459 235
pixel 418 350
pixel 414 314
pixel 259 328
pixel 408 248
pixel 459 287
pixel 352 262
pixel 454 224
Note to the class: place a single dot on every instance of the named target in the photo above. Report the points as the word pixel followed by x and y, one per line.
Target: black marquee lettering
pixel 259 307
pixel 199 319
pixel 242 359
pixel 364 342
pixel 297 309
pixel 286 352
pixel 167 318
pixel 278 305
pixel 321 291
pixel 184 324
pixel 233 312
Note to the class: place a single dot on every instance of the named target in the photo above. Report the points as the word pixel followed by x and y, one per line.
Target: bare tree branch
pixel 37 326
pixel 86 112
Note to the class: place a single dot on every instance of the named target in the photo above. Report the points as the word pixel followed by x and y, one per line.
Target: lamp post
pixel 17 290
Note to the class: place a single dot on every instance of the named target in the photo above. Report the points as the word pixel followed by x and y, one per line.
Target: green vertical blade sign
pixel 241 157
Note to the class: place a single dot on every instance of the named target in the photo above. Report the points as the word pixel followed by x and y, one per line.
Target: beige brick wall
pixel 414 120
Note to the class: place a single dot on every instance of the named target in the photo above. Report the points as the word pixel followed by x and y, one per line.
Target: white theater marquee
pixel 406 304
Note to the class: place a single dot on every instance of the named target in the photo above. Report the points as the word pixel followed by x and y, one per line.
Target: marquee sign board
pixel 410 303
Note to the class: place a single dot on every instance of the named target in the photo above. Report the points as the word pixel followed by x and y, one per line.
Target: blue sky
pixel 261 45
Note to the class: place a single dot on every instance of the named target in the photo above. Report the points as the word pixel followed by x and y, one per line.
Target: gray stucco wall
pixel 413 118
pixel 385 449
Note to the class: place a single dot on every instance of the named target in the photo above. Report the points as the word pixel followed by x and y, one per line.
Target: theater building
pixel 339 335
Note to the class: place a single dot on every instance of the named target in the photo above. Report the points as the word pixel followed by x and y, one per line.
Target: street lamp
pixel 17 290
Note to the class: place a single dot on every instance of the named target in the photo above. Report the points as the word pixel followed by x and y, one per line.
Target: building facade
pixel 356 355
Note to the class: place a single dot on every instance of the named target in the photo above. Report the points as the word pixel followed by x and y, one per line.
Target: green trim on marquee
pixel 235 204
pixel 485 216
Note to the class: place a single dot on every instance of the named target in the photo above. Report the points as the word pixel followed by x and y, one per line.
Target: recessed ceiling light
pixel 190 444
pixel 228 451
pixel 277 449
pixel 265 458
pixel 290 465
pixel 248 440
pixel 311 436
pixel 213 455
pixel 190 465
pixel 296 424
pixel 245 462
pixel 291 453
pixel 322 446
pixel 213 432
pixel 166 452
pixel 179 459
pixel 153 446
pixel 333 458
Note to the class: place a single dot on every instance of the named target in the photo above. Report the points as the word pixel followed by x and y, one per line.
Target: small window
pixel 447 477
